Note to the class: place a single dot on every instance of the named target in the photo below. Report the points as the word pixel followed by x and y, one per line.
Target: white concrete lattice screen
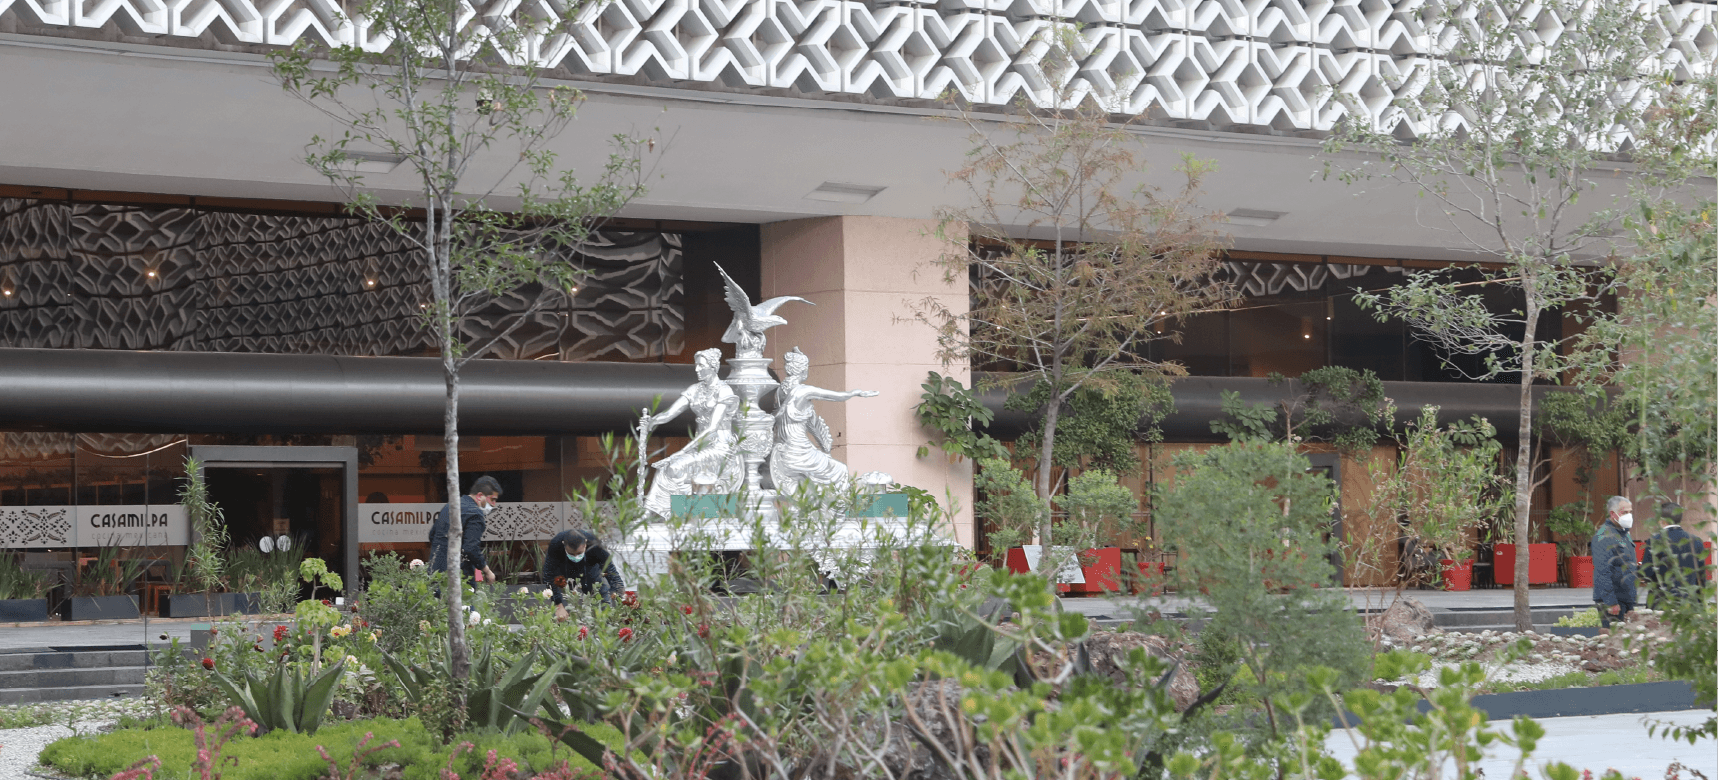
pixel 1266 63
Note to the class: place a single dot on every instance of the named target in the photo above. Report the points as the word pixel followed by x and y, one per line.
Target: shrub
pixel 283 755
pixel 399 599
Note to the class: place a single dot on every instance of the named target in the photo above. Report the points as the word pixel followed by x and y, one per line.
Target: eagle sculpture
pixel 746 332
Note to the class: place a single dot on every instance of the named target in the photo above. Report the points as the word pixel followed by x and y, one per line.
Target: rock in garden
pixel 1108 652
pixel 1406 620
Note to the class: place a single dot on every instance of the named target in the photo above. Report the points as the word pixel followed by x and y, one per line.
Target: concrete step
pixel 38 695
pixel 80 677
pixel 1465 619
pixel 68 658
pixel 39 674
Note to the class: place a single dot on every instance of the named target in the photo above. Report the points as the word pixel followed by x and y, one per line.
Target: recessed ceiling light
pixel 837 192
pixel 1253 217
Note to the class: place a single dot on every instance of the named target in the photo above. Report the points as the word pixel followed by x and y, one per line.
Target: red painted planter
pixel 1017 563
pixel 1580 570
pixel 1541 564
pixel 1457 577
pixel 1102 569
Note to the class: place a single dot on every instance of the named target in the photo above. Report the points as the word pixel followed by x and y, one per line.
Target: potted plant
pixel 22 592
pixel 1446 483
pixel 1095 498
pixel 1569 522
pixel 203 577
pixel 263 576
pixel 102 588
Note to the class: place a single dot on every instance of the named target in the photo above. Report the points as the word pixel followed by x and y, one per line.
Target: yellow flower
pixel 376 635
pixel 340 631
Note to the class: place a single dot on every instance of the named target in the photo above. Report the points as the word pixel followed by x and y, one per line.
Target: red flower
pixel 630 599
pixel 362 623
pixel 703 630
pixel 626 635
pixel 583 632
pixel 209 663
pixel 327 603
pixel 687 609
pixel 257 647
pixel 560 582
pixel 354 607
pixel 280 633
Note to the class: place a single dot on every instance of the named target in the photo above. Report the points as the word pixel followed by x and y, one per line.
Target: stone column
pixel 865 274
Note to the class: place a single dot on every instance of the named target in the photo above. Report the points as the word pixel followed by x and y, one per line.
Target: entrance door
pixel 308 494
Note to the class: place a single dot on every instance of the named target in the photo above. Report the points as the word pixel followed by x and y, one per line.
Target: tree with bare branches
pixel 458 103
pixel 1514 120
pixel 1074 270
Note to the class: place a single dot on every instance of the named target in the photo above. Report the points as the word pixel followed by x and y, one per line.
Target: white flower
pixel 548 594
pixel 475 618
pixel 352 660
pixel 524 591
pixel 487 621
pixel 417 564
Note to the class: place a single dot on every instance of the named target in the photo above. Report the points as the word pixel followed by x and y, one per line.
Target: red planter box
pixel 1580 570
pixel 1017 563
pixel 1102 568
pixel 1541 564
pixel 1457 577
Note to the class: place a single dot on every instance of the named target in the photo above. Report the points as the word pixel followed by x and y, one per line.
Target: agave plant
pixel 500 698
pixel 287 699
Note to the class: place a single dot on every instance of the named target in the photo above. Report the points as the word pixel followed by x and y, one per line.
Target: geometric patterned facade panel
pixel 1261 63
pixel 99 276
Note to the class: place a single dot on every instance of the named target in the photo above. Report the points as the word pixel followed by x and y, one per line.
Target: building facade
pixel 175 282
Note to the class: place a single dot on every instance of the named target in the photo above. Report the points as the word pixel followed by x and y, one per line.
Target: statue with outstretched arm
pixel 711 462
pixel 802 439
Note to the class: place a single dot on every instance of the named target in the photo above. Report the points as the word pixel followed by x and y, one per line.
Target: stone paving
pixel 1595 742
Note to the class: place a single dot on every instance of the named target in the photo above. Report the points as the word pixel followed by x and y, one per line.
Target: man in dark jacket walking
pixel 1675 560
pixel 1613 563
pixel 473 509
pixel 577 559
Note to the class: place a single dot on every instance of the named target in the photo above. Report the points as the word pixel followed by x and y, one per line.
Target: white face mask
pixel 1626 520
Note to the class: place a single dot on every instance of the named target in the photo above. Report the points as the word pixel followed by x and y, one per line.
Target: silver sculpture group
pixel 734 437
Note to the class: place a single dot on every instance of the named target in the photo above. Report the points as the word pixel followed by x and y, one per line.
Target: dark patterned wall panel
pixel 101 276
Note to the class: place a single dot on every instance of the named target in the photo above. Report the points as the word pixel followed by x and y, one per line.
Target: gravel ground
pixel 20 747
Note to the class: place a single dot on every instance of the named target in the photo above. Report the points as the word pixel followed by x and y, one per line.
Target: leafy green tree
pixel 459 105
pixel 1095 498
pixel 1510 132
pixel 1252 522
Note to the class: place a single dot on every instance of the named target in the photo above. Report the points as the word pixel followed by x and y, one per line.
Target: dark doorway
pixel 309 494
pixel 303 503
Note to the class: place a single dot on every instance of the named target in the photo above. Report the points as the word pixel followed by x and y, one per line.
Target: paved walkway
pixel 129 633
pixel 1361 598
pixel 1595 742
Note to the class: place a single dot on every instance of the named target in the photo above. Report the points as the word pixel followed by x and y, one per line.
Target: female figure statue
pixel 802 440
pixel 710 463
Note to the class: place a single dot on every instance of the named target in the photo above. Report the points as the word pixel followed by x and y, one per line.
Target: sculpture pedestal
pixel 750 379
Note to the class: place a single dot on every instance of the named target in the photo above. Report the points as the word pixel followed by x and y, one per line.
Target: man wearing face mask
pixel 577 559
pixel 473 511
pixel 1613 563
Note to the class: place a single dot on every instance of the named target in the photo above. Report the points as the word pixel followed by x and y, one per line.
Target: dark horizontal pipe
pixel 1199 400
pixel 81 390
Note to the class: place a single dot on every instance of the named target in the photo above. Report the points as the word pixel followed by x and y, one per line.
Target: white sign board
pixel 510 521
pixel 132 525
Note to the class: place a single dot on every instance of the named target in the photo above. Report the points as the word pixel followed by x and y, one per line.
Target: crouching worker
pixel 577 559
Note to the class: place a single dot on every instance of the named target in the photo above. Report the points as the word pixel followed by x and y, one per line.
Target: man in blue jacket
pixel 1675 563
pixel 1613 563
pixel 473 511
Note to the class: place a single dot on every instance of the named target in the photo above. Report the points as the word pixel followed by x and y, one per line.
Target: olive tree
pixel 459 104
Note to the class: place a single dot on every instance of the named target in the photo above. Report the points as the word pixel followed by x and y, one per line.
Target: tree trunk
pixel 1524 469
pixel 1046 449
